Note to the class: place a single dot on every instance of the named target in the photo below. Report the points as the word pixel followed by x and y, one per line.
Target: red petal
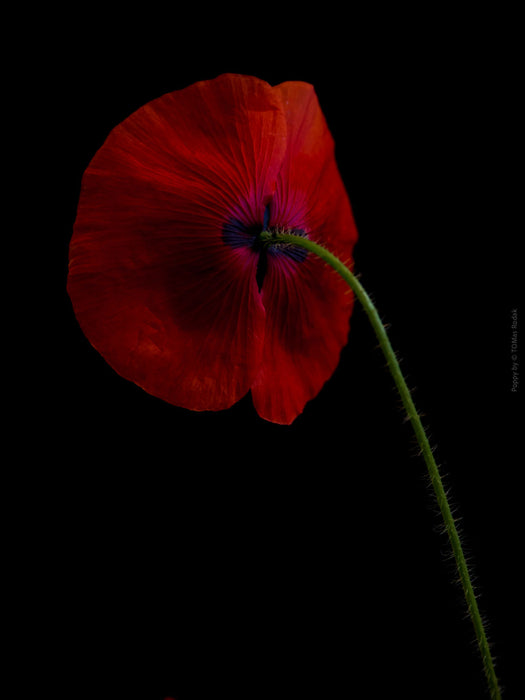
pixel 308 306
pixel 310 193
pixel 155 288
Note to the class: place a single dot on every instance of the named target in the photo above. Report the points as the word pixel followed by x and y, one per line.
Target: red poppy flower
pixel 167 277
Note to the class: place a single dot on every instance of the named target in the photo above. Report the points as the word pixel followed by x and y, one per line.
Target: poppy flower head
pixel 168 277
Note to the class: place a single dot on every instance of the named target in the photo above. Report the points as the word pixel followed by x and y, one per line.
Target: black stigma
pixel 262 267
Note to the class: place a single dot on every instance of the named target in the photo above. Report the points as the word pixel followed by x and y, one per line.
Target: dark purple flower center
pixel 238 234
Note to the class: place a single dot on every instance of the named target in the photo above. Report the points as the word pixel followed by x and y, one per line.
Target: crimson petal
pixel 154 286
pixel 308 306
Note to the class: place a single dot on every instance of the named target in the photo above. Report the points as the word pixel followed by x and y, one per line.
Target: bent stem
pixel 269 237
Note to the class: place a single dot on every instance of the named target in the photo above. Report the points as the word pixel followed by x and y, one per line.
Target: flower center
pixel 258 237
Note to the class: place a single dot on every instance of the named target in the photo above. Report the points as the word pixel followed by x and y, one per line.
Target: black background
pixel 211 555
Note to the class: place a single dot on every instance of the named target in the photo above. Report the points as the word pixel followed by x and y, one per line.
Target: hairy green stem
pixel 271 238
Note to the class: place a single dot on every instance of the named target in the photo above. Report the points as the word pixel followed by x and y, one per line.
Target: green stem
pixel 435 477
